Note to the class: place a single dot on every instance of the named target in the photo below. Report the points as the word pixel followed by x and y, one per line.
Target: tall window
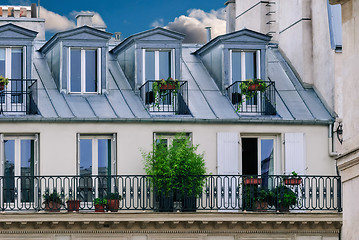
pixel 84 70
pixel 96 165
pixel 19 168
pixel 12 67
pixel 244 65
pixel 158 64
pixel 258 157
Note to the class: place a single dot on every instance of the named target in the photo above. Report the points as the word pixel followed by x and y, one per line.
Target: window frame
pixel 243 64
pixel 157 68
pixel 17 165
pixel 276 152
pixel 169 136
pixel 83 70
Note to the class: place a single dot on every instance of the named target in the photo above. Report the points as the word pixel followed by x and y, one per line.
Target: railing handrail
pixel 240 81
pixel 149 81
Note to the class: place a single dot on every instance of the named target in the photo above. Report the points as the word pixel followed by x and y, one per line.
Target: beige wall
pixel 58 151
pixel 302 30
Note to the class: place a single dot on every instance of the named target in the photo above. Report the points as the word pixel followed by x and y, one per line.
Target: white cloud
pixel 158 23
pixel 55 22
pixel 193 25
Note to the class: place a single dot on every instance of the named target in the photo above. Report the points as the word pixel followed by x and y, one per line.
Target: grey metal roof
pixel 295 104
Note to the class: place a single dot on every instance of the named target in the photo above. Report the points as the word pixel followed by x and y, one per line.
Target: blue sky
pixel 134 16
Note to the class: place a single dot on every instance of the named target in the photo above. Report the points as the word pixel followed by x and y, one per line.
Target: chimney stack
pixel 84 19
pixel 230 16
pixel 208 33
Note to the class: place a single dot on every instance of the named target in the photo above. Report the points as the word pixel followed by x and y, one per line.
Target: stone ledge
pixel 174 222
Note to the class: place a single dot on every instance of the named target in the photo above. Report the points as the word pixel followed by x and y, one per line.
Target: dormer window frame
pixel 243 64
pixel 83 70
pixel 157 62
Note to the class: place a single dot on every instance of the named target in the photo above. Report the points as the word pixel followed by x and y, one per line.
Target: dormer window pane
pixel 251 67
pixel 236 66
pixel 2 62
pixel 164 64
pixel 75 70
pixel 150 65
pixel 91 71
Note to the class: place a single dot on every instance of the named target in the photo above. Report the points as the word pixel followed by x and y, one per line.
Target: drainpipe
pixel 332 153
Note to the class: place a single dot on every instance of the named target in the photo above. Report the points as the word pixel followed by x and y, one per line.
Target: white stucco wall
pixel 58 153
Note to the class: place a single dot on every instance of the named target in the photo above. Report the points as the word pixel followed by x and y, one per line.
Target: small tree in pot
pixel 282 198
pixel 52 202
pixel 176 172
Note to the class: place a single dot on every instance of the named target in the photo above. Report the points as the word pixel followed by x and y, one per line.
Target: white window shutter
pixel 227 153
pixel 295 155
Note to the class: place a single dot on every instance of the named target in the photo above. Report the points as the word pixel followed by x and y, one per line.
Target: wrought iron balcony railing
pixel 141 192
pixel 19 96
pixel 166 101
pixel 258 102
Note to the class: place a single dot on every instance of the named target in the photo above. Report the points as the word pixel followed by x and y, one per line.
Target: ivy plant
pixel 160 91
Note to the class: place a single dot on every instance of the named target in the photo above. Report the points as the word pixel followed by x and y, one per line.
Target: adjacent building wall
pixel 301 29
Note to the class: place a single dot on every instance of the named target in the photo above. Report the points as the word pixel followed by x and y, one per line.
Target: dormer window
pixel 245 65
pixel 158 64
pixel 84 70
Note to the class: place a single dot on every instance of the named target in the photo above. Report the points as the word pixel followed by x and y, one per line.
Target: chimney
pixel 208 33
pixel 84 19
pixel 230 16
pixel 117 36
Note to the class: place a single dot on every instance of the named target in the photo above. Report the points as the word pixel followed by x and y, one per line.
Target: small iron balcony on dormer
pixel 19 97
pixel 253 97
pixel 166 97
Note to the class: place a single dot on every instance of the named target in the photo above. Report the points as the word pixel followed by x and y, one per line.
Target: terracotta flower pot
pixel 292 181
pixel 255 87
pixel 73 205
pixel 52 206
pixel 252 181
pixel 100 208
pixel 113 205
pixel 261 206
pixel 168 86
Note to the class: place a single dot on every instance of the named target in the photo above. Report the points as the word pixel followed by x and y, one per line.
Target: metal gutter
pixel 243 120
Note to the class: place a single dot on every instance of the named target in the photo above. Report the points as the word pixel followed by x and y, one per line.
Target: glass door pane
pixel 104 163
pixel 9 171
pixel 150 66
pixel 85 180
pixel 27 170
pixel 236 66
pixel 267 160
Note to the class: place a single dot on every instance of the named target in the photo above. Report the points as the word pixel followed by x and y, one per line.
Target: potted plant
pixel 261 199
pixel 177 173
pixel 100 204
pixel 282 198
pixel 293 179
pixel 3 82
pixel 161 87
pixel 113 201
pixel 52 202
pixel 250 88
pixel 72 204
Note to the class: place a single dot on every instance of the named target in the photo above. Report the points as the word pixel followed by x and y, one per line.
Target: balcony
pixel 259 102
pixel 19 97
pixel 168 101
pixel 220 193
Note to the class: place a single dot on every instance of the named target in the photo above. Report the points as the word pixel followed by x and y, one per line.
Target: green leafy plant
pixel 114 196
pixel 249 89
pixel 177 169
pixel 53 197
pixel 100 201
pixel 161 87
pixel 283 196
pixel 4 80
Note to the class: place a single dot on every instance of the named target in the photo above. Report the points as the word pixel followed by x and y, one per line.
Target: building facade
pixel 82 107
